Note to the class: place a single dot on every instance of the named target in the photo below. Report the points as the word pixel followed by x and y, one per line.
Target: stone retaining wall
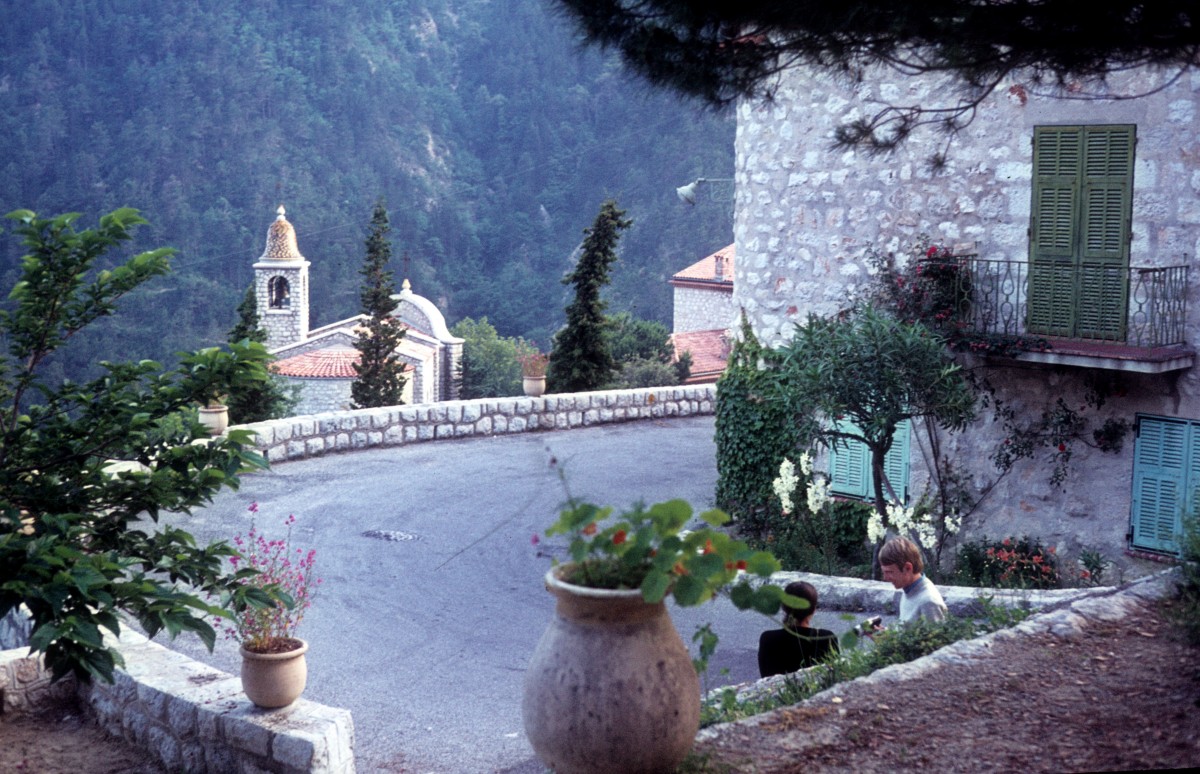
pixel 193 717
pixel 310 436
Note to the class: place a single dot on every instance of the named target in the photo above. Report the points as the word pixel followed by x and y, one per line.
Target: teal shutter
pixel 1165 452
pixel 850 465
pixel 1079 233
pixel 1054 229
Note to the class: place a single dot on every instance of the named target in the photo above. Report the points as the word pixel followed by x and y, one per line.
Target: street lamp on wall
pixel 687 193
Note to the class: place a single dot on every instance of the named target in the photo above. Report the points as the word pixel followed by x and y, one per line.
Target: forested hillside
pixel 492 134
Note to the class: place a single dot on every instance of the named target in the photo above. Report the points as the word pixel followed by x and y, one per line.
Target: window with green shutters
pixel 1166 481
pixel 1079 230
pixel 850 465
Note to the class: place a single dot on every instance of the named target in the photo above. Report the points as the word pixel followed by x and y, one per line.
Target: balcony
pixel 1090 316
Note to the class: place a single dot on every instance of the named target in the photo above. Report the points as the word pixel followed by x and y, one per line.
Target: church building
pixel 322 360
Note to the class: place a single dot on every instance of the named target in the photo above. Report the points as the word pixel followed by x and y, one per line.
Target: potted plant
pixel 533 371
pixel 611 686
pixel 274 670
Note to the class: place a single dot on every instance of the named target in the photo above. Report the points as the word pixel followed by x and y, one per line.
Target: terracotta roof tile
pixel 710 351
pixel 329 363
pixel 706 268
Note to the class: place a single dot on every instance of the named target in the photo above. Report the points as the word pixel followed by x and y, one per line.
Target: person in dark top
pixel 797 645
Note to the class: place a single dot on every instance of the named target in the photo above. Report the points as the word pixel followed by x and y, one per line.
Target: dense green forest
pixel 490 131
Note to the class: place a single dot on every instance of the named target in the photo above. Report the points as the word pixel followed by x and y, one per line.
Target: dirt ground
pixel 63 742
pixel 1121 697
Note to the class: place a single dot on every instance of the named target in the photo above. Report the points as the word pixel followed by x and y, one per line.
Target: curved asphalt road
pixel 432 598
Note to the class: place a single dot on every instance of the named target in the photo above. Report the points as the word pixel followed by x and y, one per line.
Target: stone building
pixel 703 313
pixel 1084 216
pixel 322 360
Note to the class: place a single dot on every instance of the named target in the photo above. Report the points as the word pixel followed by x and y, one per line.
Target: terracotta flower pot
pixel 611 686
pixel 534 386
pixel 273 680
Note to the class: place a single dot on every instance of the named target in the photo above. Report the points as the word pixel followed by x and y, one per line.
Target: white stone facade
pixel 805 214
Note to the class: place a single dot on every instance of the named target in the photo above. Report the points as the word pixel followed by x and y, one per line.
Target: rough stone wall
pixel 805 214
pixel 321 395
pixel 702 309
pixel 25 686
pixel 309 436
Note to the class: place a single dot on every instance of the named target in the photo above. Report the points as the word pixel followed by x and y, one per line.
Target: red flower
pixel 1037 558
pixel 741 565
pixel 679 569
pixel 932 251
pixel 1062 447
pixel 708 546
pixel 1007 541
pixel 590 529
pixel 619 537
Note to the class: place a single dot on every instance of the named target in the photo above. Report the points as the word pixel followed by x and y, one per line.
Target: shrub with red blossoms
pixel 285 574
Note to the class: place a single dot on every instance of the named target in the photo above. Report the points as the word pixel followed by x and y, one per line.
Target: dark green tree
pixel 723 50
pixel 876 372
pixel 581 359
pixel 380 379
pixel 269 399
pixel 86 468
pixel 489 367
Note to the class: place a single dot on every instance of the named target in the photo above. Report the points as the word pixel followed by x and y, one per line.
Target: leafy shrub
pixel 755 429
pixel 1007 564
pixel 830 542
pixel 1186 611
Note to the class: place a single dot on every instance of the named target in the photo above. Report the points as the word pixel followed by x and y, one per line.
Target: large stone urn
pixel 611 686
pixel 273 680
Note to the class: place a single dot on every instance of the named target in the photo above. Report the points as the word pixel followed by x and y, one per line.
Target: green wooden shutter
pixel 1079 231
pixel 1162 454
pixel 1054 229
pixel 1106 200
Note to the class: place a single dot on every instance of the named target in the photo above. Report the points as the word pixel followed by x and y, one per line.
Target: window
pixel 278 293
pixel 1166 481
pixel 850 465
pixel 1079 230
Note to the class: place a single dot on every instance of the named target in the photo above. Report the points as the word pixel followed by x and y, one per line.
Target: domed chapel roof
pixel 281 241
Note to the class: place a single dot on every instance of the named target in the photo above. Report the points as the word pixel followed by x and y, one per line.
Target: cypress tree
pixel 581 359
pixel 380 379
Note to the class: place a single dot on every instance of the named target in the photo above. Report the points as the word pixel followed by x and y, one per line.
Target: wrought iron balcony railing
pixel 1139 307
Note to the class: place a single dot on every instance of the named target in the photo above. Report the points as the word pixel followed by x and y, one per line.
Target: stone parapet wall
pixel 192 717
pixel 310 436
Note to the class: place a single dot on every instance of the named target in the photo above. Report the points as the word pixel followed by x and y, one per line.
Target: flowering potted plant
pixel 533 371
pixel 274 671
pixel 611 661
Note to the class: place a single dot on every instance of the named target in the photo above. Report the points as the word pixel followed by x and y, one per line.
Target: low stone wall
pixel 193 717
pixel 310 436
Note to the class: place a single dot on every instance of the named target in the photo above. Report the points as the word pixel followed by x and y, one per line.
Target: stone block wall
pixel 25 686
pixel 703 309
pixel 309 436
pixel 193 717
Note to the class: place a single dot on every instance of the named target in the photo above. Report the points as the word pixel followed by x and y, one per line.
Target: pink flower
pixel 534 539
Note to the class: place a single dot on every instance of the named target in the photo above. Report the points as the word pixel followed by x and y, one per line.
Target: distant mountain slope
pixel 492 134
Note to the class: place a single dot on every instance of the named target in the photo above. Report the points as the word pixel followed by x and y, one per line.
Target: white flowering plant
pixel 825 534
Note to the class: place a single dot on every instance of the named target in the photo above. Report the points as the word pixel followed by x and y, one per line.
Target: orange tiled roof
pixel 329 363
pixel 705 270
pixel 710 350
